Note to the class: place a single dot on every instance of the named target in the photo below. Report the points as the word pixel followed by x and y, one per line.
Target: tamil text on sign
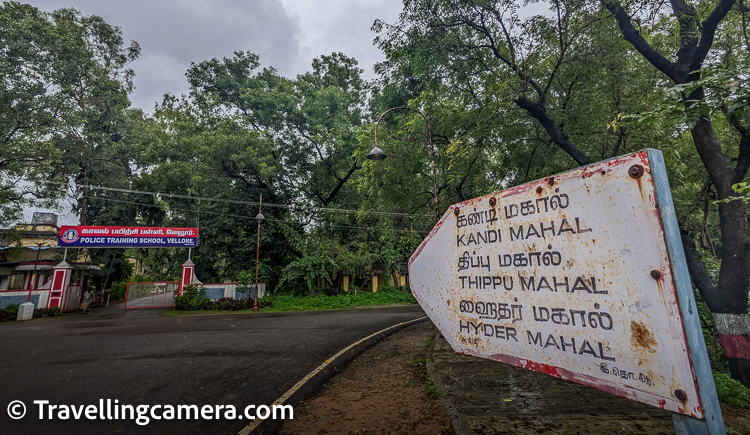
pixel 568 275
pixel 93 236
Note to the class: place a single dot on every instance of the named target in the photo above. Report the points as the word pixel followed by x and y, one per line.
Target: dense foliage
pixel 185 303
pixel 9 313
pixel 386 295
pixel 731 392
pixel 194 298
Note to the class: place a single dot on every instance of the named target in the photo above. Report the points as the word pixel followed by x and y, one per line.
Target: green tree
pixel 564 81
pixel 701 43
pixel 65 86
pixel 504 93
pixel 245 131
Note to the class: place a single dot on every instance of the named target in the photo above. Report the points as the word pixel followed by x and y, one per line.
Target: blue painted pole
pixel 683 424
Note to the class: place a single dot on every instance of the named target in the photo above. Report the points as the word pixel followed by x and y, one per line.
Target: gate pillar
pixel 59 286
pixel 188 271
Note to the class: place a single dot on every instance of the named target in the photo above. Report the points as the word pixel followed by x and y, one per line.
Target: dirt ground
pixel 737 420
pixel 386 390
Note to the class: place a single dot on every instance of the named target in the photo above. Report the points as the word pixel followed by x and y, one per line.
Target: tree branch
pixel 697 269
pixel 559 137
pixel 743 160
pixel 639 43
pixel 688 19
pixel 708 31
pixel 343 181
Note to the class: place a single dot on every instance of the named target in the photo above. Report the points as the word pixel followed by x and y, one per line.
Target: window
pixel 16 281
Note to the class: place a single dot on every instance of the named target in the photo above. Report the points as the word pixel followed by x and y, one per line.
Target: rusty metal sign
pixel 570 276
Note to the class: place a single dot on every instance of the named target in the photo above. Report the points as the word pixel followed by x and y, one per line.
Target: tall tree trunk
pixel 728 301
pixel 83 202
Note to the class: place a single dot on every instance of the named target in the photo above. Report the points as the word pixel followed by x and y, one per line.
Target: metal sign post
pixel 581 276
pixel 713 423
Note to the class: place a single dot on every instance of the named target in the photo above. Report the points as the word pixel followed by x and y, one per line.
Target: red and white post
pixel 188 271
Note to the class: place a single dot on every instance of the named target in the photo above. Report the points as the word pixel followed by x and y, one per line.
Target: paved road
pixel 142 357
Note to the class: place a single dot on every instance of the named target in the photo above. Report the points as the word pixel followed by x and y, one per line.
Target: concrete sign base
pixel 25 311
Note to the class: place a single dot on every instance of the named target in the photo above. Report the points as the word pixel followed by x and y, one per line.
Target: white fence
pixel 229 290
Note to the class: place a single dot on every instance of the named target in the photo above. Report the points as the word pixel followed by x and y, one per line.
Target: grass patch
pixel 283 303
pixel 430 389
pixel 410 383
pixel 743 429
pixel 340 301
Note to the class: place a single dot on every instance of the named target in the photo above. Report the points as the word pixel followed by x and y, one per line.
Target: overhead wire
pixel 235 201
pixel 251 217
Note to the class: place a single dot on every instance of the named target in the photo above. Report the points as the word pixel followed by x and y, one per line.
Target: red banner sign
pixel 121 237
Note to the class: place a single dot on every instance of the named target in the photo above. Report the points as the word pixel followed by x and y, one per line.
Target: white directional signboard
pixel 570 276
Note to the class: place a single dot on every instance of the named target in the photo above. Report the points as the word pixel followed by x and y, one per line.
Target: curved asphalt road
pixel 142 357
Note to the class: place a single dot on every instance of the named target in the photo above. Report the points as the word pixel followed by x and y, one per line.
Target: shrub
pixel 194 292
pixel 6 317
pixel 12 309
pixel 46 312
pixel 140 278
pixel 118 290
pixel 186 303
pixel 9 313
pixel 731 391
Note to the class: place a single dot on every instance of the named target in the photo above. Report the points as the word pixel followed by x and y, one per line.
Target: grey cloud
pixel 173 33
pixel 287 34
pixel 347 27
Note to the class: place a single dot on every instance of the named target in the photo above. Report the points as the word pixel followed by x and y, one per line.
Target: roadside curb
pixel 458 423
pixel 331 367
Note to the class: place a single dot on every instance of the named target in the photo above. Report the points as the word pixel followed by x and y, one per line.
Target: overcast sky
pixel 287 34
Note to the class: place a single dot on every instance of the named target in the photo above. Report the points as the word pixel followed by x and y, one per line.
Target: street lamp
pixel 26 310
pixel 260 218
pixel 377 154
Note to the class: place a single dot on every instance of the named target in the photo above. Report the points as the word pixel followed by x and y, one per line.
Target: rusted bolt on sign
pixel 635 171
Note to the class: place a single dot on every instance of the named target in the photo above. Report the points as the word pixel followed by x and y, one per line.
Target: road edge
pixel 458 423
pixel 320 375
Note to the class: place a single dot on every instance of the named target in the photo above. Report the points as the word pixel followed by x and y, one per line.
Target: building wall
pixel 33 235
pixel 8 298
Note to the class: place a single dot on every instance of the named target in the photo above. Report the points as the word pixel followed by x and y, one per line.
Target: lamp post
pixel 26 310
pixel 33 275
pixel 259 217
pixel 377 154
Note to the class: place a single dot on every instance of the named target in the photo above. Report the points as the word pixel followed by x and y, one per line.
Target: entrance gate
pixel 150 294
pixel 140 294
